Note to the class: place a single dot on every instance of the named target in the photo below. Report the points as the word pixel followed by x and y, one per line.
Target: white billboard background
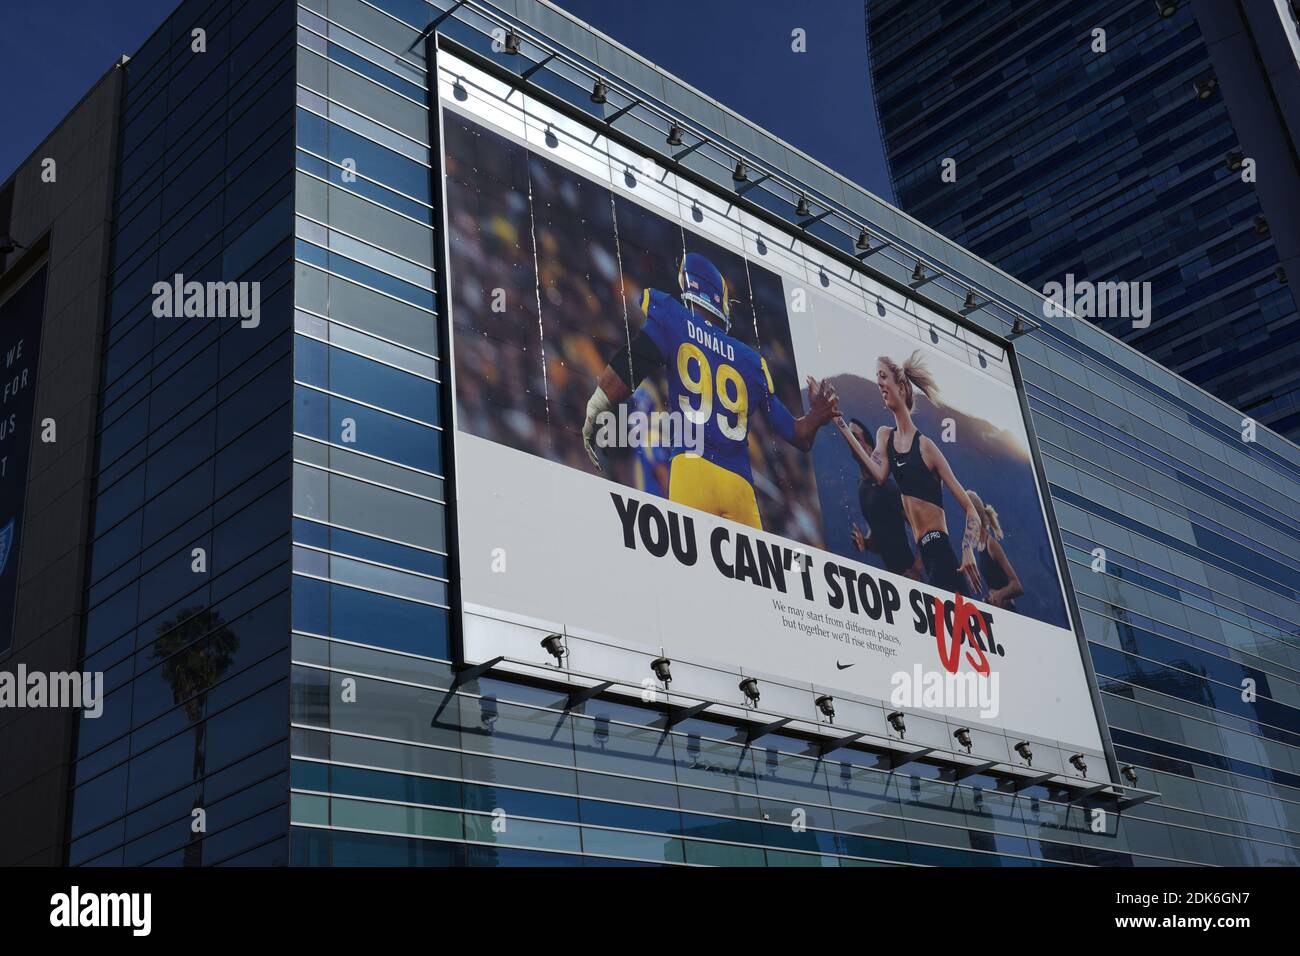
pixel 567 570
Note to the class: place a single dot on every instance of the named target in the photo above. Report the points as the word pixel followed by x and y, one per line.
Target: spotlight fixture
pixel 864 241
pixel 749 687
pixel 984 363
pixel 802 209
pixel 1234 160
pixel 1205 87
pixel 1130 774
pixel 675 135
pixel 963 737
pixel 1166 8
pixel 934 336
pixel 598 92
pixel 918 274
pixel 511 42
pixel 1261 225
pixel 1026 754
pixel 971 301
pixel 662 669
pixel 1079 764
pixel 1018 328
pixel 600 731
pixel 826 704
pixel 488 712
pixel 896 721
pixel 554 645
pixel 739 174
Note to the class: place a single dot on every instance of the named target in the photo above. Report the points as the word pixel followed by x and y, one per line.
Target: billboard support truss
pixel 754 725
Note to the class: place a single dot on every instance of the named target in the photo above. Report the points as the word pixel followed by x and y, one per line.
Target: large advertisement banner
pixel 20 344
pixel 683 433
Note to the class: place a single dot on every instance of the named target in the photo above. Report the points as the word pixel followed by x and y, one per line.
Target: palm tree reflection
pixel 197 647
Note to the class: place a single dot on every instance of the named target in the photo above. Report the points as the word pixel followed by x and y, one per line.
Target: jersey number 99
pixel 727 385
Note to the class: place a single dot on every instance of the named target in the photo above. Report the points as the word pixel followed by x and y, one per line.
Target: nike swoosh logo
pixel 842 667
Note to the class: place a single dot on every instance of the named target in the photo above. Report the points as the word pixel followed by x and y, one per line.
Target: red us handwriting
pixel 961 630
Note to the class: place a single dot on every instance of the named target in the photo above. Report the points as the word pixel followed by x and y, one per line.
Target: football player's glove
pixel 597 404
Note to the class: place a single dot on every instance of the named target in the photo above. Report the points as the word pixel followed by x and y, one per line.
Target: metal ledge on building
pixel 679 714
pixel 619 114
pixel 463 674
pixel 755 731
pixel 752 725
pixel 1024 783
pixel 538 65
pixel 1080 795
pixel 897 759
pixel 970 770
pixel 1142 797
pixel 581 696
pixel 822 748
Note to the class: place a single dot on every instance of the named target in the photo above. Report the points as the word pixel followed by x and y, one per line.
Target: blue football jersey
pixel 715 380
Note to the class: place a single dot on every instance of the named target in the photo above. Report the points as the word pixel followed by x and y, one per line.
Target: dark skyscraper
pixel 1116 156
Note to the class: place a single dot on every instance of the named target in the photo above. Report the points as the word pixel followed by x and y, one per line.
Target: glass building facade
pixel 301 691
pixel 194 453
pixel 1105 165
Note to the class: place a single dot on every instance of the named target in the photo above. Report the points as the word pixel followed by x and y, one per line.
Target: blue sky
pixel 740 54
pixel 737 52
pixel 52 53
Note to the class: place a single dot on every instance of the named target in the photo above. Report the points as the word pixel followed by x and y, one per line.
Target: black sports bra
pixel 914 479
pixel 991 571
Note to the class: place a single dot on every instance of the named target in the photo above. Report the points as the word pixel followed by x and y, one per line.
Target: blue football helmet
pixel 703 285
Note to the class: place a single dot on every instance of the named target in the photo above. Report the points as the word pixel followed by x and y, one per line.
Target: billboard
pixel 681 431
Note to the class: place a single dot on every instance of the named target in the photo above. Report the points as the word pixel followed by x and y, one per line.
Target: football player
pixel 717 382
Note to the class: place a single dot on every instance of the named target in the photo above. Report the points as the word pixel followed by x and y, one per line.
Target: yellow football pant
pixel 699 483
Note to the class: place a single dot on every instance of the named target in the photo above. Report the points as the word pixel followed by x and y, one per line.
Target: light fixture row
pixel 661 667
pixel 740 175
